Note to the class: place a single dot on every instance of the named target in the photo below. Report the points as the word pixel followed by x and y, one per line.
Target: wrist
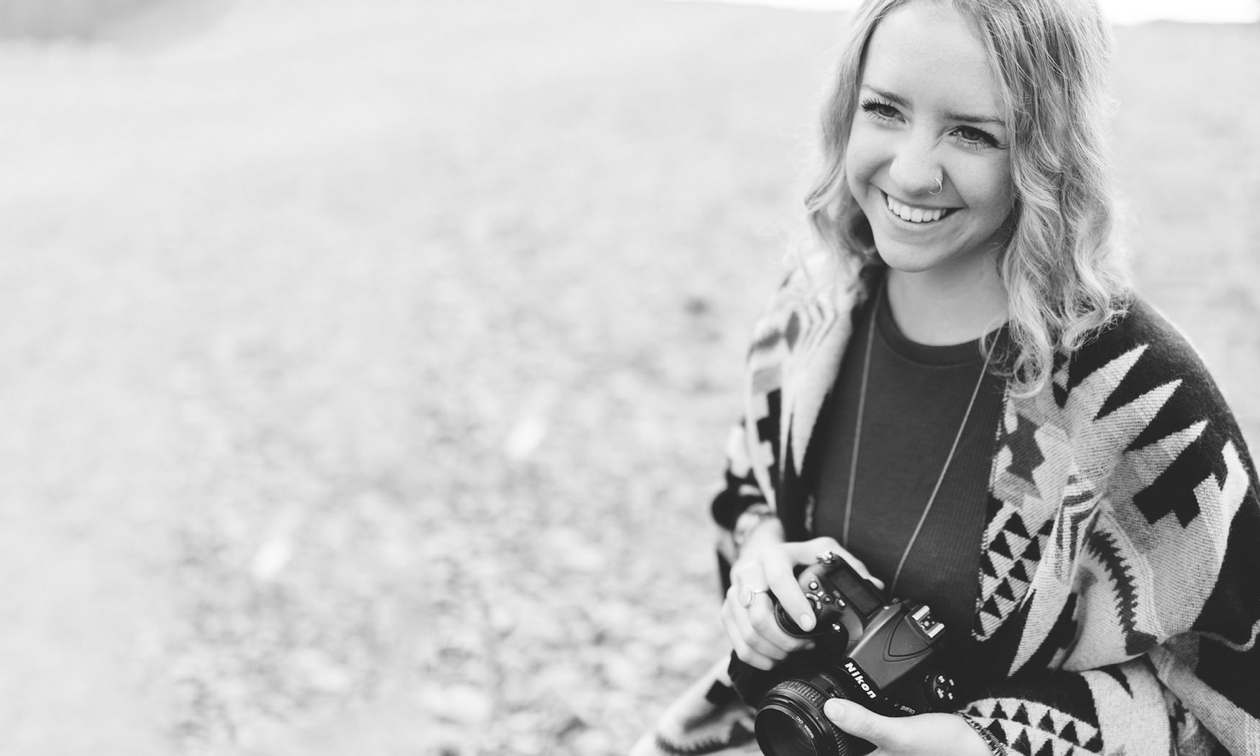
pixel 756 527
pixel 979 735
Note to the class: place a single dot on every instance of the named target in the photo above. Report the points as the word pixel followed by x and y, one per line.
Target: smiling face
pixel 928 158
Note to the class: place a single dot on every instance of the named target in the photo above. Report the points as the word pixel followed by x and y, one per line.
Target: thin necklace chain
pixel 857 442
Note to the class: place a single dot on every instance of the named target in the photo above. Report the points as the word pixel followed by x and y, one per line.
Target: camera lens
pixel 790 721
pixel 782 735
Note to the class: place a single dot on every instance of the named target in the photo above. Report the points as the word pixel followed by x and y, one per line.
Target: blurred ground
pixel 366 371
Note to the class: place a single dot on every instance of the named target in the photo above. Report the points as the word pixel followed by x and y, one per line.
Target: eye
pixel 974 138
pixel 880 110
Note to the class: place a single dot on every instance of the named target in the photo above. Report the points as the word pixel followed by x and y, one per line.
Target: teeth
pixel 913 214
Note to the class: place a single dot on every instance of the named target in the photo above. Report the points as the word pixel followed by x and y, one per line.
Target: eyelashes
pixel 969 137
pixel 879 109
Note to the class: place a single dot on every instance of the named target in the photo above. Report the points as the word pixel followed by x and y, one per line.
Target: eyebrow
pixel 960 117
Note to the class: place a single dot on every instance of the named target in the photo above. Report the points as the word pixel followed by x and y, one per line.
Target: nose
pixel 915 169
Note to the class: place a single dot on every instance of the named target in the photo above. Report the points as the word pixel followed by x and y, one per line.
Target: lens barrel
pixel 790 721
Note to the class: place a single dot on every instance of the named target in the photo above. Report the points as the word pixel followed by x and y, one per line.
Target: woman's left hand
pixel 919 735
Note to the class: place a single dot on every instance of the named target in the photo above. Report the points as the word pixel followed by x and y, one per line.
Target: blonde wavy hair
pixel 1062 264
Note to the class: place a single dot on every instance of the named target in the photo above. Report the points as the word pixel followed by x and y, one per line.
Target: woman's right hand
pixel 766 567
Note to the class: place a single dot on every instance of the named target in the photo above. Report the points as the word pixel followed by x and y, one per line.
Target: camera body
pixel 881 653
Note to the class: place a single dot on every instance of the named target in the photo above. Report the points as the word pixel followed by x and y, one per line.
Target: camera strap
pixel 857 443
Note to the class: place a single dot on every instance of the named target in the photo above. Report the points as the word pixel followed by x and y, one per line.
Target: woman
pixel 960 396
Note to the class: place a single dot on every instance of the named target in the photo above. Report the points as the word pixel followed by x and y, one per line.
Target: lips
pixel 913 214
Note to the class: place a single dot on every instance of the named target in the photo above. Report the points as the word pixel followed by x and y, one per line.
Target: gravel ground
pixel 367 372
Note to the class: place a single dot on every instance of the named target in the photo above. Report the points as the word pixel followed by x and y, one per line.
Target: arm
pixel 741 506
pixel 755 556
pixel 1195 695
pixel 1161 629
pixel 1119 709
pixel 1110 709
pixel 1192 689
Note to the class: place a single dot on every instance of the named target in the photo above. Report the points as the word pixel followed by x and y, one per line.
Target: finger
pixel 752 657
pixel 747 576
pixel 762 621
pixel 739 643
pixel 806 552
pixel 756 637
pixel 773 572
pixel 783 583
pixel 863 723
pixel 747 643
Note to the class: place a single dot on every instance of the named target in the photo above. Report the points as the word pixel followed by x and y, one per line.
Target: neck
pixel 938 311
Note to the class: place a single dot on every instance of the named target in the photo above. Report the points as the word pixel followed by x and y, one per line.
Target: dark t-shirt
pixel 916 398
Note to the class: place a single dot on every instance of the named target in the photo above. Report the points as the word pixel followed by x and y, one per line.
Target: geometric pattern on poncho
pixel 1006 567
pixel 1034 729
pixel 1019 522
pixel 1108 399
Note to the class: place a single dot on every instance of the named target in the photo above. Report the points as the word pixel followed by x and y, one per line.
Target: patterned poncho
pixel 1119 589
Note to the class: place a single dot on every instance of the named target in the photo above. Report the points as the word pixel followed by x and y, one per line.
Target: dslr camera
pixel 883 654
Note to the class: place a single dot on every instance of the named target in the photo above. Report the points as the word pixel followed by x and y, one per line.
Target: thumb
pixel 860 721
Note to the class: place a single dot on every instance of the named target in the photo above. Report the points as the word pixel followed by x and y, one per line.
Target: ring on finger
pixel 746 595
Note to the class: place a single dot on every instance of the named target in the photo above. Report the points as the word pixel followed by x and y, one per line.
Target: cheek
pixel 988 188
pixel 859 163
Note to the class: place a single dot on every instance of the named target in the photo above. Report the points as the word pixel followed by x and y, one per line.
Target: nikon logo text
pixel 860 679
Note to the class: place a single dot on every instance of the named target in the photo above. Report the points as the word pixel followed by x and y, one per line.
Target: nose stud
pixel 940 186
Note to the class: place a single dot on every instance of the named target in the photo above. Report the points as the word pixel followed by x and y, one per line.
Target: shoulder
pixel 1144 326
pixel 813 293
pixel 1141 384
pixel 1138 353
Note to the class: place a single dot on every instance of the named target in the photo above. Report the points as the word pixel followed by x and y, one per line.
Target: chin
pixel 898 257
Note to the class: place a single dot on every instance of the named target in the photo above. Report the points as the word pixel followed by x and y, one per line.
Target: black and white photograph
pixel 629 377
